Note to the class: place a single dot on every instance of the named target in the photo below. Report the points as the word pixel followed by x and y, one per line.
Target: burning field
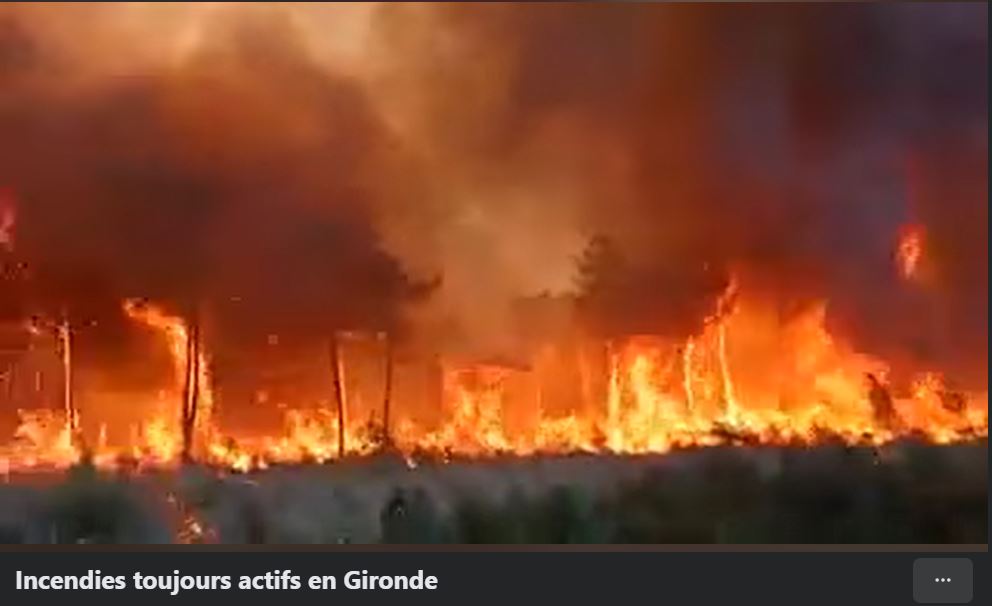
pixel 241 244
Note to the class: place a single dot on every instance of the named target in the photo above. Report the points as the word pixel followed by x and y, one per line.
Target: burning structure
pixel 256 235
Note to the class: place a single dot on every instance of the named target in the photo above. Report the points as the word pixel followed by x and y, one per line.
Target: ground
pixel 902 493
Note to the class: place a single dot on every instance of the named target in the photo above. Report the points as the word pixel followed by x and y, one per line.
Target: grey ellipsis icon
pixel 943 580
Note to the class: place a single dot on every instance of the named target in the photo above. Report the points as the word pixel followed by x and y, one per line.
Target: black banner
pixel 357 576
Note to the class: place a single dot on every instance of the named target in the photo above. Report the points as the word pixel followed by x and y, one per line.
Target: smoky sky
pixel 488 144
pixel 791 143
pixel 239 184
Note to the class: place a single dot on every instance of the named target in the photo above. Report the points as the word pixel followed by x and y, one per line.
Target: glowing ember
pixel 191 529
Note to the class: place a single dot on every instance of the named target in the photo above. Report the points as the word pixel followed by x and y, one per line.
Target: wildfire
pixel 177 336
pixel 153 154
pixel 43 439
pixel 746 377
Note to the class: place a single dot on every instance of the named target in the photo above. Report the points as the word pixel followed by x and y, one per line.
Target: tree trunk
pixel 336 371
pixel 881 402
pixel 191 388
pixel 387 391
pixel 65 343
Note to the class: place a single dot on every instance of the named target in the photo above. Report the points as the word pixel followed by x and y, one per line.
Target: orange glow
pixel 909 252
pixel 748 376
pixel 173 329
pixel 43 439
pixel 8 219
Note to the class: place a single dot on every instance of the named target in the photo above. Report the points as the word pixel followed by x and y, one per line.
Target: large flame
pixel 176 335
pixel 329 150
pixel 747 376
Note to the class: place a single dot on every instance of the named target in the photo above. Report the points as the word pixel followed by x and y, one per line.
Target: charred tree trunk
pixel 881 402
pixel 334 349
pixel 387 391
pixel 65 344
pixel 191 388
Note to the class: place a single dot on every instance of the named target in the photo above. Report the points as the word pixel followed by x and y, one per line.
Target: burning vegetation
pixel 646 228
pixel 643 394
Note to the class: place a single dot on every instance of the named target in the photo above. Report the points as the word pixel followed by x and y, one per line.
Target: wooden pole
pixel 191 388
pixel 336 372
pixel 387 391
pixel 65 344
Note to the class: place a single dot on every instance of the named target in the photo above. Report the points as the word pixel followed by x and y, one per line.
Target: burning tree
pixel 618 297
pixel 39 304
pixel 191 385
pixel 601 274
pixel 241 186
pixel 344 283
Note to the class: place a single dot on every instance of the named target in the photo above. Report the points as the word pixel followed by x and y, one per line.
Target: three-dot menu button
pixel 942 580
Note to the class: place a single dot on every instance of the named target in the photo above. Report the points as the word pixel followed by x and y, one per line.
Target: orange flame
pixel 747 376
pixel 176 335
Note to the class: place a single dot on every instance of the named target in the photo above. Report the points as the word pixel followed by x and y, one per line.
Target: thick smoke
pixel 243 181
pixel 238 158
pixel 790 144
